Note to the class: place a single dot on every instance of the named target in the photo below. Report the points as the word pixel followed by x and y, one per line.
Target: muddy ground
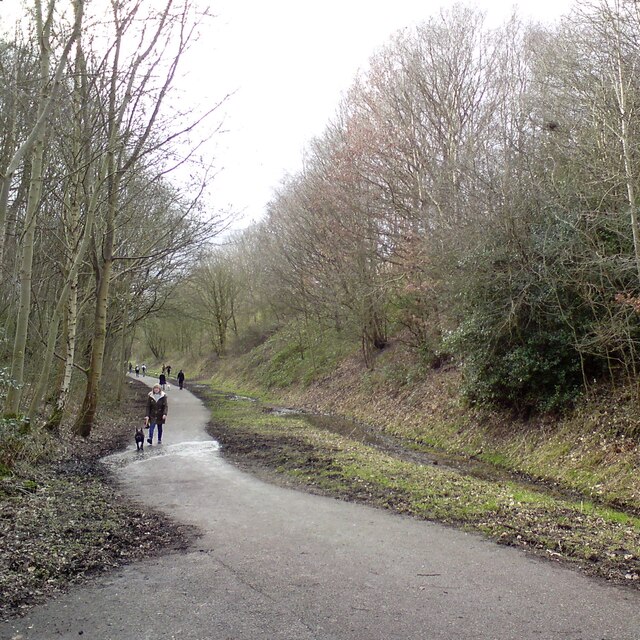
pixel 64 520
pixel 605 550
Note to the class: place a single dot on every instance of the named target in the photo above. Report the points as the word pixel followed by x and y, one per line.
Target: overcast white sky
pixel 288 62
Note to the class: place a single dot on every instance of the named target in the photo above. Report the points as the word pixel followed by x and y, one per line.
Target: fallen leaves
pixel 73 522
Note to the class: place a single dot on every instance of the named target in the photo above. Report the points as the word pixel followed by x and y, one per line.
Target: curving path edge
pixel 275 563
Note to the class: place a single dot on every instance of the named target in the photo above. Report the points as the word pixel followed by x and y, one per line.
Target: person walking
pixel 180 379
pixel 137 371
pixel 157 407
pixel 163 381
pixel 144 369
pixel 168 370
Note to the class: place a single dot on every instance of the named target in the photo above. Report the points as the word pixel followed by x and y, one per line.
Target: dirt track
pixel 275 563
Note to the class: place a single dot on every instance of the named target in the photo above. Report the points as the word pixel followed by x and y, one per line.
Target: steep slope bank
pixel 592 450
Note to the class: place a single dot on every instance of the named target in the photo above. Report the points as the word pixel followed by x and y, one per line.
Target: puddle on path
pixel 201 450
pixel 205 389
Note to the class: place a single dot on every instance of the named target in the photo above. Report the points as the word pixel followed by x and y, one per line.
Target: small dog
pixel 139 438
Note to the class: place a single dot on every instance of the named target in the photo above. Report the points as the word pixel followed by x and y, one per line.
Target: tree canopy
pixel 94 233
pixel 475 196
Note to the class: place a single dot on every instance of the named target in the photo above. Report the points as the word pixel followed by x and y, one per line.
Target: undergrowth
pixel 592 449
pixel 299 354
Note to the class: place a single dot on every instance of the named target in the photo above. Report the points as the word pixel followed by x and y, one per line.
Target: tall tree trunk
pixel 86 418
pixel 55 419
pixel 626 115
pixel 78 240
pixel 12 403
pixel 35 142
pixel 120 160
pixel 5 184
pixel 70 285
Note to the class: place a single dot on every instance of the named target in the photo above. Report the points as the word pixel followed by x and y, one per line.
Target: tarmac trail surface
pixel 277 564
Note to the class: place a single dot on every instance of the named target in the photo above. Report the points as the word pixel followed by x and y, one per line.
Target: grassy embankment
pixel 591 454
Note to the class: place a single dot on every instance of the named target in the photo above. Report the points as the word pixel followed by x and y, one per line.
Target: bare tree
pixel 35 144
pixel 214 292
pixel 135 101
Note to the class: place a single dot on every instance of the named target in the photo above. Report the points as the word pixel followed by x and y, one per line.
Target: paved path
pixel 283 565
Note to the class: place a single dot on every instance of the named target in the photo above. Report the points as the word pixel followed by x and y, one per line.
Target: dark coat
pixel 157 408
pixel 180 376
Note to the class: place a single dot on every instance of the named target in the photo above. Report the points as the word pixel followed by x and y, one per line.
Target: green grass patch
pixel 298 354
pixel 591 450
pixel 508 512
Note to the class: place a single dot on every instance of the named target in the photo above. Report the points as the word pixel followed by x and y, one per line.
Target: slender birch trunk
pixel 54 324
pixel 5 184
pixel 625 112
pixel 55 419
pixel 37 145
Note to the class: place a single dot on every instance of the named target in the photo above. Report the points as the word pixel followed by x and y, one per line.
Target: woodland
pixel 474 198
pixel 93 232
pixel 462 241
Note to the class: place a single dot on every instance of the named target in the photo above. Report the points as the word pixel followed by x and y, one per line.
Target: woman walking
pixel 157 407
